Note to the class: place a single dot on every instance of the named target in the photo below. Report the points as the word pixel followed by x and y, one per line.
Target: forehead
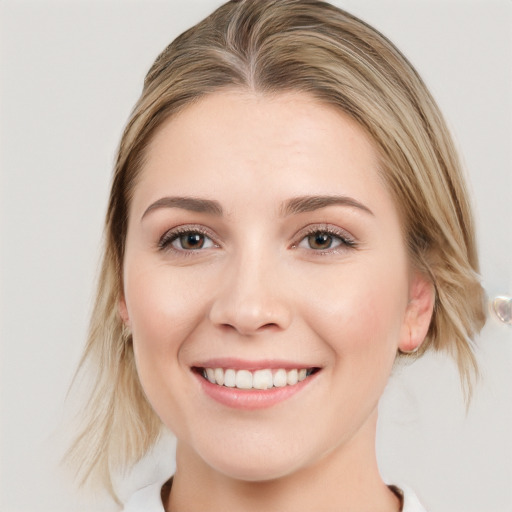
pixel 274 130
pixel 253 156
pixel 237 145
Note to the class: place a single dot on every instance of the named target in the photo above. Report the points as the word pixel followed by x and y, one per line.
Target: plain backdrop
pixel 70 72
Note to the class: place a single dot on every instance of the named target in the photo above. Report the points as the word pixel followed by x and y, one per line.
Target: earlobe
pixel 418 314
pixel 123 312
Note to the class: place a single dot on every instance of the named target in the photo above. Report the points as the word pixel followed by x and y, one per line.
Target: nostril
pixel 248 330
pixel 271 325
pixel 249 308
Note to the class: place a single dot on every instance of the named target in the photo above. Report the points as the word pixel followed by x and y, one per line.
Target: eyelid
pixel 165 241
pixel 348 240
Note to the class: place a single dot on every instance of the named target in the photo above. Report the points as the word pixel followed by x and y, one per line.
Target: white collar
pixel 148 499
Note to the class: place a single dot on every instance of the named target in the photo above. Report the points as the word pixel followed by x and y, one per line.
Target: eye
pixel 325 240
pixel 186 240
pixel 191 241
pixel 320 241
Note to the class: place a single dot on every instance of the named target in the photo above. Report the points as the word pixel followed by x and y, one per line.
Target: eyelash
pixel 167 239
pixel 346 241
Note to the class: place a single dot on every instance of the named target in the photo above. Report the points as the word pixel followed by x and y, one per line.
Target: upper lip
pixel 243 364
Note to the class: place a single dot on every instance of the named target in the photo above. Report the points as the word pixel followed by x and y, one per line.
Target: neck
pixel 346 480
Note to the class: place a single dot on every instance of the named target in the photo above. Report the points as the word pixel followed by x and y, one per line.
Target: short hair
pixel 273 46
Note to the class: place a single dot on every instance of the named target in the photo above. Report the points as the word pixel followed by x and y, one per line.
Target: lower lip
pixel 250 399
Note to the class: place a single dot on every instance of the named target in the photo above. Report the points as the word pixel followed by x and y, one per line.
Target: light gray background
pixel 70 73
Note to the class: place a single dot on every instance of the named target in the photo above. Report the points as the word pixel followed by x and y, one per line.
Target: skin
pixel 259 290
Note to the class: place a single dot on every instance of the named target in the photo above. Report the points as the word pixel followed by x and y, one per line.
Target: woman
pixel 287 216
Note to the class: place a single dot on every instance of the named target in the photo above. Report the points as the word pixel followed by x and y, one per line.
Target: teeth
pixel 229 378
pixel 292 377
pixel 243 379
pixel 219 376
pixel 210 375
pixel 259 379
pixel 262 379
pixel 280 379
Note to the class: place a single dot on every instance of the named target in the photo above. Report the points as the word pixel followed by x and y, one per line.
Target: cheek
pixel 362 313
pixel 160 307
pixel 163 312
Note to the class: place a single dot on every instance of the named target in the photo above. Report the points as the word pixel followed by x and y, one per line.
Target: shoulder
pixel 147 499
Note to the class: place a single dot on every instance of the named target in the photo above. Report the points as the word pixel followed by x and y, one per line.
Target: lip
pixel 254 398
pixel 261 364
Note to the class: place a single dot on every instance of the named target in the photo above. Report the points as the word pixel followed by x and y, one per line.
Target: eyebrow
pixel 310 203
pixel 192 204
pixel 293 206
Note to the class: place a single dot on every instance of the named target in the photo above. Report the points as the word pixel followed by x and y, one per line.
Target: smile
pixel 253 385
pixel 258 379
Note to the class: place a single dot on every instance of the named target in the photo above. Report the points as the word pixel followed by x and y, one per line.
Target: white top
pixel 148 499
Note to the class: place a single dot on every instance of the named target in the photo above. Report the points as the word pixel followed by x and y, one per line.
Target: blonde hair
pixel 272 46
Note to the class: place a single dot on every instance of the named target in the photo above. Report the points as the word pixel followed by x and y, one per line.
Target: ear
pixel 418 314
pixel 123 311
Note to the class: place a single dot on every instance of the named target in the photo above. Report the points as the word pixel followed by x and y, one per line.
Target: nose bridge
pixel 250 298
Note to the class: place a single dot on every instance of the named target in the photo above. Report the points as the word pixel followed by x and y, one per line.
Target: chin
pixel 264 472
pixel 256 465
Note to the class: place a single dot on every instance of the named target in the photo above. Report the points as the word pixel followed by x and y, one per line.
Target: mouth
pixel 261 379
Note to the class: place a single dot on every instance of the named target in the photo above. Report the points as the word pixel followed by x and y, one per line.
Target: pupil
pixel 320 241
pixel 192 241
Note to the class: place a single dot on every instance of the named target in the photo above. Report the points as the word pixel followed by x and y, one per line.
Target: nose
pixel 251 298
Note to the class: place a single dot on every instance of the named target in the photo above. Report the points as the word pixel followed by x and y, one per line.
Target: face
pixel 266 283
